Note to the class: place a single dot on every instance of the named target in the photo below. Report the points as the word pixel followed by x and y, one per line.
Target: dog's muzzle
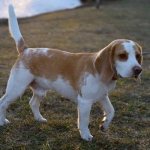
pixel 136 71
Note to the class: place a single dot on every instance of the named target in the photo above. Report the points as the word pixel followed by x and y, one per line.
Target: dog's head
pixel 120 58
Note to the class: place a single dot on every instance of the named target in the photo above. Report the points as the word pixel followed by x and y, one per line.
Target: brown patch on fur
pixel 21 46
pixel 56 63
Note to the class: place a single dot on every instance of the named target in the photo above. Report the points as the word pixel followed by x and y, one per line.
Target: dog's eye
pixel 123 56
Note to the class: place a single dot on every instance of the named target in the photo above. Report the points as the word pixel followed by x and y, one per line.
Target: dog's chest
pixel 93 89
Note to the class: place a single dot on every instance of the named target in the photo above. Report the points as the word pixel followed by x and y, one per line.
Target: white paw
pixel 41 119
pixel 104 127
pixel 7 121
pixel 86 136
pixel 4 122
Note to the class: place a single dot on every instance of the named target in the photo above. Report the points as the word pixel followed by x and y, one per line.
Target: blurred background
pixel 30 8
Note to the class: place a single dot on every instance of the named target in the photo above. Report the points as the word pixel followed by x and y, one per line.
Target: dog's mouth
pixel 132 76
pixel 136 76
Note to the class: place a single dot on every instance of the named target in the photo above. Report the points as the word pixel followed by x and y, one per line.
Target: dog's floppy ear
pixel 104 63
pixel 139 57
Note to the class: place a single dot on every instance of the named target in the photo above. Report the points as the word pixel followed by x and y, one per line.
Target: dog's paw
pixel 41 119
pixel 7 121
pixel 86 136
pixel 4 122
pixel 103 127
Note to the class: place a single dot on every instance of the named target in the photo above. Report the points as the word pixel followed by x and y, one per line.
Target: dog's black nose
pixel 137 70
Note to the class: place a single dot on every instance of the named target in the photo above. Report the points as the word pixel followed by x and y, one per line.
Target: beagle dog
pixel 85 78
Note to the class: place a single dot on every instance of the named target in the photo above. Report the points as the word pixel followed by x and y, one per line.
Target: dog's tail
pixel 15 31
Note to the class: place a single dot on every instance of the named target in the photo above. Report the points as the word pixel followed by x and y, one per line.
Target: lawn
pixel 84 29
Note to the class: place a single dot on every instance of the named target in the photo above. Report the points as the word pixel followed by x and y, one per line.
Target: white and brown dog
pixel 83 77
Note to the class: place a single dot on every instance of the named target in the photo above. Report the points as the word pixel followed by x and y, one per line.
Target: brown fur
pixel 139 55
pixel 68 65
pixel 21 46
pixel 105 64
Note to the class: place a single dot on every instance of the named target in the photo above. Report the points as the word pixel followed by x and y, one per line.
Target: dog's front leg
pixel 108 113
pixel 84 108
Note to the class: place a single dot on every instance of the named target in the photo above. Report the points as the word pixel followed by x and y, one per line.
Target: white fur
pixel 84 108
pixel 35 104
pixel 63 87
pixel 91 92
pixel 125 68
pixel 43 51
pixel 93 88
pixel 36 51
pixel 13 25
pixel 129 45
pixel 108 111
pixel 60 85
pixel 18 81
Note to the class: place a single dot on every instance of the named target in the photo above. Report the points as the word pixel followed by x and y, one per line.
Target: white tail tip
pixel 14 29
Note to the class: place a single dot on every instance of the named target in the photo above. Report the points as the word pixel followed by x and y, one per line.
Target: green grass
pixel 84 29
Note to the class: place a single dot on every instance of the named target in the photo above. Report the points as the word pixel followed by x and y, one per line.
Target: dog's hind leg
pixel 37 97
pixel 18 81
